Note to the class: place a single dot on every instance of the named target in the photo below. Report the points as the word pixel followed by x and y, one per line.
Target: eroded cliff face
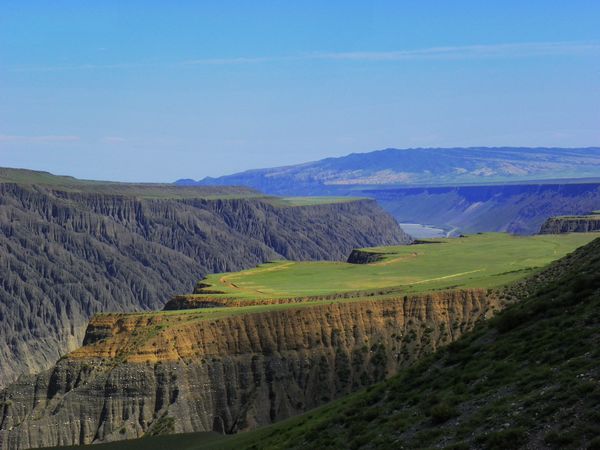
pixel 571 224
pixel 66 255
pixel 149 373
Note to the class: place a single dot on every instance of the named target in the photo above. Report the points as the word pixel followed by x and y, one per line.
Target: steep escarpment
pixel 71 249
pixel 184 371
pixel 571 224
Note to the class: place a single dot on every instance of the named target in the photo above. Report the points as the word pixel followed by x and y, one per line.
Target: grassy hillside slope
pixel 140 190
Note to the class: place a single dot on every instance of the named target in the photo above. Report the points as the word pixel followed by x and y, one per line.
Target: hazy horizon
pixel 141 92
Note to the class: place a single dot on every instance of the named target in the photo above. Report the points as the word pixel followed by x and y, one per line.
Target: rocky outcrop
pixel 359 256
pixel 68 252
pixel 571 224
pixel 182 372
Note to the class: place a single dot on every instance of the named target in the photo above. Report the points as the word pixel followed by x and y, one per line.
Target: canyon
pixel 257 352
pixel 71 248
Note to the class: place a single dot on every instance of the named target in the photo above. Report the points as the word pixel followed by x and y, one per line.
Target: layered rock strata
pixel 180 372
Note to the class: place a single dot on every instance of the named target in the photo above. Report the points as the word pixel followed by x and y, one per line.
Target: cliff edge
pixel 571 224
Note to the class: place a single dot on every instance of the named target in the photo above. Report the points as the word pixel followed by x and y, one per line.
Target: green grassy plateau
pixel 477 261
pixel 528 378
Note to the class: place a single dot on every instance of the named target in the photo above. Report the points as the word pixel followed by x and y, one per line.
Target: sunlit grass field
pixel 477 261
pixel 485 261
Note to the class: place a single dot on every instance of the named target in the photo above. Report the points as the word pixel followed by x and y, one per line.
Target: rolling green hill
pixel 141 190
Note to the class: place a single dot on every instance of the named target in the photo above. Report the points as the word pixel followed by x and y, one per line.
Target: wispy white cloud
pixel 513 50
pixel 527 49
pixel 471 52
pixel 113 140
pixel 8 138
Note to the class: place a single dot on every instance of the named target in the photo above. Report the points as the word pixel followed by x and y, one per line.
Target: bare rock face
pixel 571 224
pixel 359 256
pixel 176 372
pixel 66 254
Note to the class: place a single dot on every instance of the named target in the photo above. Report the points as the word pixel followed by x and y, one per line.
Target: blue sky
pixel 144 91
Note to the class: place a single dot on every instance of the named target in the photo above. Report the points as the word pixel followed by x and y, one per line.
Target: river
pixel 421 231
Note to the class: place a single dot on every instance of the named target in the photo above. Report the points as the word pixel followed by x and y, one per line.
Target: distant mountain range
pixel 418 167
pixel 461 190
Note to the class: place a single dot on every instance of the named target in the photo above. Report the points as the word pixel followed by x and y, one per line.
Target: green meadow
pixel 476 261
